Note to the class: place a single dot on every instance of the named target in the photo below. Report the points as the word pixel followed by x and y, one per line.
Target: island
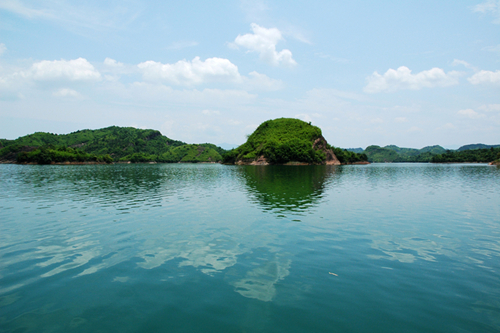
pixel 292 142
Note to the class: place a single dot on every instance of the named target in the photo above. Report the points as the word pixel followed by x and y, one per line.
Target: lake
pixel 214 248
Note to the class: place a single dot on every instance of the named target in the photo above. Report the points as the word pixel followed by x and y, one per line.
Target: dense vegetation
pixel 346 156
pixel 476 155
pixel 434 154
pixel 284 140
pixel 185 154
pixel 48 154
pixel 393 153
pixel 120 143
pixel 280 141
pixel 477 146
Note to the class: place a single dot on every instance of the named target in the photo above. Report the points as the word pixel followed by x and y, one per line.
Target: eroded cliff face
pixel 321 144
pixel 259 161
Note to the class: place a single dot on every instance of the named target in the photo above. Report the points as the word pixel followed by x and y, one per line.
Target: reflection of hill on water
pixel 283 188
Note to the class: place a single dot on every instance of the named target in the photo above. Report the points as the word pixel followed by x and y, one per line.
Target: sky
pixel 409 73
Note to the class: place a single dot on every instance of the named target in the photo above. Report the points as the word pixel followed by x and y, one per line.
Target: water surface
pixel 195 248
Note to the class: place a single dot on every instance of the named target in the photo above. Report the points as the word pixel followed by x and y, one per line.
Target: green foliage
pixel 115 141
pixel 218 149
pixel 348 156
pixel 48 154
pixel 229 157
pixel 433 150
pixel 280 141
pixel 477 146
pixel 139 158
pixel 294 149
pixel 10 152
pixel 355 150
pixel 191 153
pixel 121 143
pixel 470 156
pixel 379 154
pixel 393 153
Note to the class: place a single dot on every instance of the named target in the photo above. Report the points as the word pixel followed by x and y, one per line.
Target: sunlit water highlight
pixel 198 248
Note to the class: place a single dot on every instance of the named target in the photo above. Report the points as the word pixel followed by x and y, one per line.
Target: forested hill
pixel 120 143
pixel 394 153
pixel 477 146
pixel 479 153
pixel 289 140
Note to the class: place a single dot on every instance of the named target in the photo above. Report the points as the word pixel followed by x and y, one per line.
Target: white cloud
pixel 304 116
pixel 457 62
pixel 66 92
pixel 334 59
pixel 447 126
pixel 3 48
pixel 469 113
pixel 112 63
pixel 414 129
pixel 73 70
pixel 490 108
pixel 255 10
pixel 402 78
pixel 257 81
pixel 264 42
pixel 233 122
pixel 210 112
pixel 400 119
pixel 492 48
pixel 191 72
pixel 490 6
pixel 485 77
pixel 20 9
pixel 207 98
pixel 181 45
pixel 80 17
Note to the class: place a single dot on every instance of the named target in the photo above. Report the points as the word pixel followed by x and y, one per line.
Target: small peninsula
pixel 105 145
pixel 289 141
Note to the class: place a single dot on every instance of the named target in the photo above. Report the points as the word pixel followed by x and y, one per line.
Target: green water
pixel 212 248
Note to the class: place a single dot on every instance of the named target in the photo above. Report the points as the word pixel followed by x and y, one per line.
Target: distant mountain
pixel 477 146
pixel 392 153
pixel 355 150
pixel 227 146
pixel 433 150
pixel 121 143
pixel 380 154
pixel 478 153
pixel 486 155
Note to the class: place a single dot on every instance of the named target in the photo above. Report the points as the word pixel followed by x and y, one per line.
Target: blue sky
pixel 409 73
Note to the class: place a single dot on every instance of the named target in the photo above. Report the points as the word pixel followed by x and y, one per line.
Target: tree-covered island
pixel 289 141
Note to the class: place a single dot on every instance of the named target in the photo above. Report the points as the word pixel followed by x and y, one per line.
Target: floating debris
pixel 332 273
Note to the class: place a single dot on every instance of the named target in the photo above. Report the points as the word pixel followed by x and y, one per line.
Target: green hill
pixel 355 150
pixel 380 154
pixel 191 154
pixel 120 143
pixel 477 146
pixel 392 153
pixel 287 140
pixel 433 150
pixel 468 156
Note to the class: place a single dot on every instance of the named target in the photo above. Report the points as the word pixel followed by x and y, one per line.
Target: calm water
pixel 212 248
